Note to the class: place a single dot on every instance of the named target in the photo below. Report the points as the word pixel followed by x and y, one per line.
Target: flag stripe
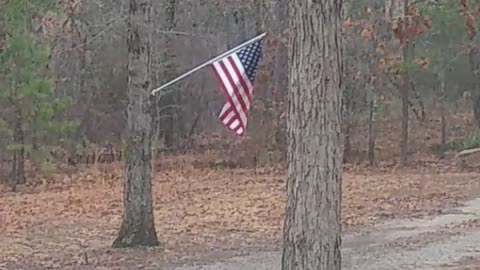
pixel 235 74
pixel 228 119
pixel 231 94
pixel 240 73
pixel 226 107
pixel 235 124
pixel 227 116
pixel 233 90
pixel 239 65
pixel 224 89
pixel 239 80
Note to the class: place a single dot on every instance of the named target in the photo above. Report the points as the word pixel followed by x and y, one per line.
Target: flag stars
pixel 250 56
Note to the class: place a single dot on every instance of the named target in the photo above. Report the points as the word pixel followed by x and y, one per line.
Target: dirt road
pixel 420 244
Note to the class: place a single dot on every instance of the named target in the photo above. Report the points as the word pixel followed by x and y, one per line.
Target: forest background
pixel 409 107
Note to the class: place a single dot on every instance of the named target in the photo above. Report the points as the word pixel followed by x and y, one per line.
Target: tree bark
pixel 373 82
pixel 371 131
pixel 280 71
pixel 443 138
pixel 138 227
pixel 473 55
pixel 312 228
pixel 405 96
pixel 17 176
pixel 404 133
pixel 280 74
pixel 172 99
pixel 476 109
pixel 347 122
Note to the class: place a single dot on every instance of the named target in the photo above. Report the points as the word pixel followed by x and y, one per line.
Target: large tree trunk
pixel 138 227
pixel 312 228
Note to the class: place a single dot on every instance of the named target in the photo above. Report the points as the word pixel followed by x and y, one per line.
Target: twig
pixel 85 257
pixel 107 26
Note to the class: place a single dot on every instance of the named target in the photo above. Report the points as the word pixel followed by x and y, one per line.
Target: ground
pixel 447 241
pixel 424 216
pixel 69 220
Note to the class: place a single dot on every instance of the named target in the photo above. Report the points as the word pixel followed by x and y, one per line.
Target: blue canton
pixel 250 56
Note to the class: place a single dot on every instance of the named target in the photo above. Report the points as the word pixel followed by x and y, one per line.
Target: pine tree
pixel 27 95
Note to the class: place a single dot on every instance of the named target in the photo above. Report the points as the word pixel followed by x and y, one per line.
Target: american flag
pixel 236 74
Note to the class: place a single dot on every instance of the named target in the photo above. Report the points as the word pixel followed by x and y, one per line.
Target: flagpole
pixel 190 72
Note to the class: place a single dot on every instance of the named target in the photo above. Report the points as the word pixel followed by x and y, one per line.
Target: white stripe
pixel 225 108
pixel 240 131
pixel 229 89
pixel 236 80
pixel 235 124
pixel 229 116
pixel 244 74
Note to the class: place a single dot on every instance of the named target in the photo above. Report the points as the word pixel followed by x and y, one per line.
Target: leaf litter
pixel 70 220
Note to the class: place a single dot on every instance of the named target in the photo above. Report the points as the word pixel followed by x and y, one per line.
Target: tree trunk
pixel 404 133
pixel 405 96
pixel 138 227
pixel 475 70
pixel 280 74
pixel 280 71
pixel 443 139
pixel 347 123
pixel 168 118
pixel 371 132
pixel 373 81
pixel 476 109
pixel 17 176
pixel 312 228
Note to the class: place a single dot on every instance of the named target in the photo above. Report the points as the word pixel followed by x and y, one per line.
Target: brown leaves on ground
pixel 69 220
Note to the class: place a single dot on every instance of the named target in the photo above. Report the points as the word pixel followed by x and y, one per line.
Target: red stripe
pixel 227 96
pixel 241 79
pixel 227 112
pixel 235 88
pixel 237 128
pixel 220 82
pixel 235 117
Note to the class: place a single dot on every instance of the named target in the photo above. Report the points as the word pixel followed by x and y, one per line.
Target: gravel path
pixel 420 244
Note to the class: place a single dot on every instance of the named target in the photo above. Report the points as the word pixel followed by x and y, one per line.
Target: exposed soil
pixel 421 244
